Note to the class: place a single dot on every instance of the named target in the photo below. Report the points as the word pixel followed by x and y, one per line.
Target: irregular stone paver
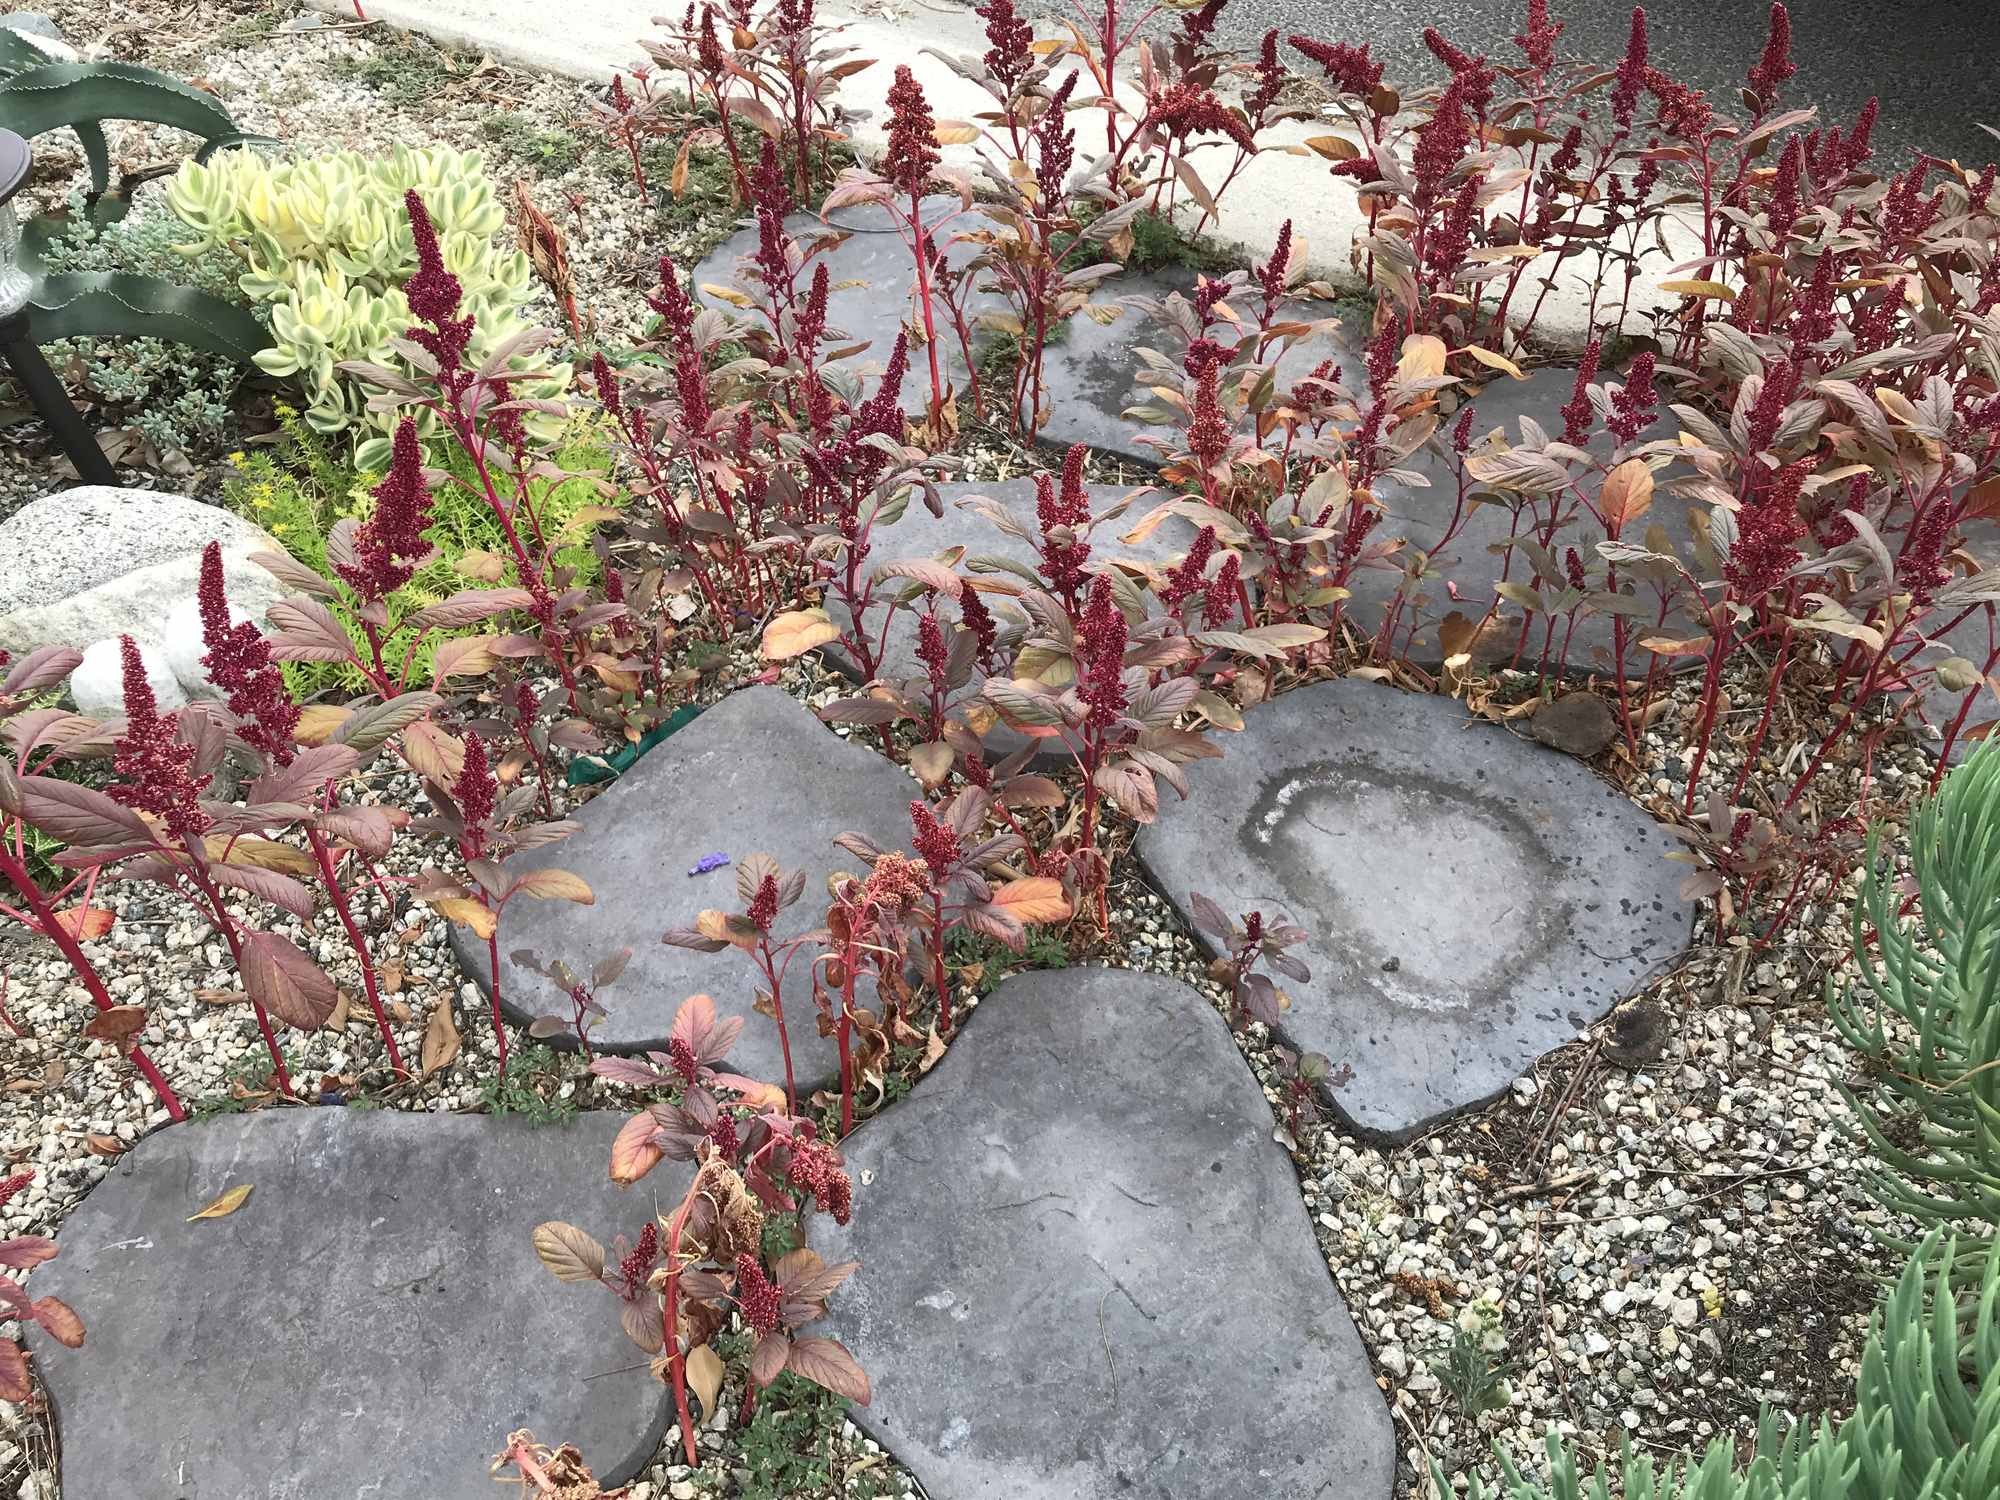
pixel 872 288
pixel 1974 639
pixel 1085 1272
pixel 372 1321
pixel 1472 899
pixel 1424 514
pixel 1092 368
pixel 919 534
pixel 757 772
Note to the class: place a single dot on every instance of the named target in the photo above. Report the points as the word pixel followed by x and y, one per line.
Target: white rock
pixel 98 685
pixel 95 562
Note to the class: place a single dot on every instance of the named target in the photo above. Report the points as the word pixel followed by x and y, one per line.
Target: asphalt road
pixel 1932 62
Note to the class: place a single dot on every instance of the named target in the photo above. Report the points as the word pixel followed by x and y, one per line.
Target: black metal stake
pixel 71 432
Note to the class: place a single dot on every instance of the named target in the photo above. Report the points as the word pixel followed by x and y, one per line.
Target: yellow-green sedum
pixel 325 245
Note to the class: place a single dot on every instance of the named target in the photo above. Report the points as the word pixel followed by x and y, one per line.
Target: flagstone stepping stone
pixel 1085 1270
pixel 1973 639
pixel 1471 899
pixel 919 534
pixel 755 773
pixel 1471 567
pixel 872 288
pixel 371 1321
pixel 1091 369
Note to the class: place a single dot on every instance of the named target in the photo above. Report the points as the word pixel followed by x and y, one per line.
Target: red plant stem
pixel 670 1327
pixel 841 1034
pixel 769 962
pixel 938 981
pixel 716 90
pixel 493 995
pixel 632 150
pixel 922 247
pixel 331 877
pixel 1764 723
pixel 51 927
pixel 1705 720
pixel 199 874
pixel 519 1456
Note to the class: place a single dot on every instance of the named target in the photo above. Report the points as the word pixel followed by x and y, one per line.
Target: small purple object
pixel 709 862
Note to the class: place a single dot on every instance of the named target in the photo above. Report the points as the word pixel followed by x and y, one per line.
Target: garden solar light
pixel 17 343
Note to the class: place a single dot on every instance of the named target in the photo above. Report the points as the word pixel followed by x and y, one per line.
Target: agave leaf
pixel 120 304
pixel 70 95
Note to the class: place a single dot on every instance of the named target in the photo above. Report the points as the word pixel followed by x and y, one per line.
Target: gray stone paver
pixel 1472 899
pixel 1091 368
pixel 1085 1270
pixel 755 773
pixel 372 1321
pixel 871 289
pixel 919 534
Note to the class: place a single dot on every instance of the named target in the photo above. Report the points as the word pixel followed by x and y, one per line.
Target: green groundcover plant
pixel 298 487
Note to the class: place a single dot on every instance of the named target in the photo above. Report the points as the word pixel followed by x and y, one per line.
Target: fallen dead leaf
pixel 117 1025
pixel 704 1376
pixel 441 1039
pixel 225 1205
pixel 105 1145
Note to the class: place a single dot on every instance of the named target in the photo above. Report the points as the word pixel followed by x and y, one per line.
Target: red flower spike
pixel 1101 648
pixel 1538 42
pixel 912 154
pixel 681 1055
pixel 637 1266
pixel 1219 607
pixel 764 905
pixel 239 664
pixel 1632 70
pixel 390 542
pixel 1348 68
pixel 1008 38
pixel 815 1168
pixel 937 844
pixel 1767 528
pixel 475 790
pixel 1270 78
pixel 933 650
pixel 1776 65
pixel 1182 110
pixel 978 619
pixel 1633 404
pixel 756 1298
pixel 1578 414
pixel 1186 577
pixel 155 765
pixel 1208 431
